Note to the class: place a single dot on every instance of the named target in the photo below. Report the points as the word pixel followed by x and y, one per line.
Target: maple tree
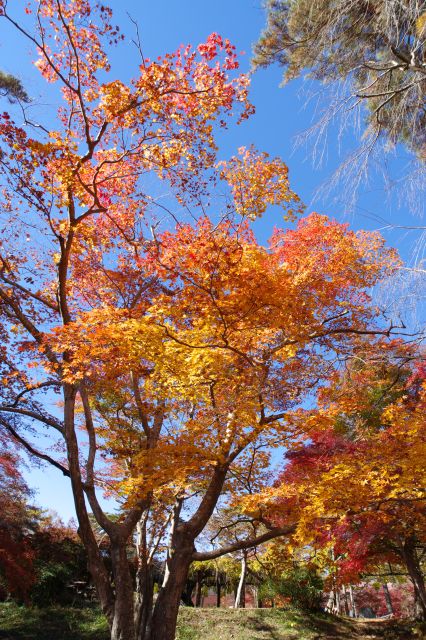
pixel 356 489
pixel 159 364
pixel 16 555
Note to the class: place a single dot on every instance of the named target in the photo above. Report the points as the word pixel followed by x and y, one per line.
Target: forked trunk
pixel 166 609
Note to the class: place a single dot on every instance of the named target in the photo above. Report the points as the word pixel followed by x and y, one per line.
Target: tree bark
pixel 338 604
pixel 96 565
pixel 408 552
pixel 240 600
pixel 255 590
pixel 353 605
pixel 388 599
pixel 218 589
pixel 145 599
pixel 418 609
pixel 123 626
pixel 164 618
pixel 198 588
pixel 345 601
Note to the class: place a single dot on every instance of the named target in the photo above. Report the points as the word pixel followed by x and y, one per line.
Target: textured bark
pixel 163 625
pixel 123 627
pixel 145 600
pixel 96 565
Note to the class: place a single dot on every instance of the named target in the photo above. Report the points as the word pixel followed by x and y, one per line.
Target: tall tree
pixel 12 88
pixel 372 53
pixel 358 485
pixel 152 359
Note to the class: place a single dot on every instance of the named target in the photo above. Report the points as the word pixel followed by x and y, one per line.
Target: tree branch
pixel 247 543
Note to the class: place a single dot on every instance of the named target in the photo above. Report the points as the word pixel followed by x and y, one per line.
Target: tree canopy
pixel 373 54
pixel 153 348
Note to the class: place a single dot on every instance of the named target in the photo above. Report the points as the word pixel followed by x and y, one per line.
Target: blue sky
pixel 280 115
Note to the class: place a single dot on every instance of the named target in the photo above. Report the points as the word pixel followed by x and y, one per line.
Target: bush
pixel 51 585
pixel 301 585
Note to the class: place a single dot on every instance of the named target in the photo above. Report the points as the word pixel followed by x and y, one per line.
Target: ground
pixel 275 624
pixel 65 623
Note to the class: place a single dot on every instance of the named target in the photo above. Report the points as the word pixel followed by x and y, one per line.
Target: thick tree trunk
pixel 240 600
pixel 145 600
pixel 187 593
pixel 164 618
pixel 123 626
pixel 96 565
pixel 179 558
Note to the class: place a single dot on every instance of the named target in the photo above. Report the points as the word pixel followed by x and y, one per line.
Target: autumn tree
pixel 154 357
pixel 17 517
pixel 357 486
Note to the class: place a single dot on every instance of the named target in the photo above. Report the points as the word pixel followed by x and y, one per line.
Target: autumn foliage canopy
pixel 154 342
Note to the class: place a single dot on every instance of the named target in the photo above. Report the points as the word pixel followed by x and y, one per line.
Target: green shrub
pixel 51 584
pixel 302 585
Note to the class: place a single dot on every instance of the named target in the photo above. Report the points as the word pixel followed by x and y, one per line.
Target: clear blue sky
pixel 280 115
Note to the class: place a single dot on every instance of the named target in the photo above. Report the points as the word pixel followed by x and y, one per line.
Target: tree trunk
pixel 408 552
pixel 240 600
pixel 198 589
pixel 255 591
pixel 388 599
pixel 353 605
pixel 330 602
pixel 179 557
pixel 187 593
pixel 418 609
pixel 338 605
pixel 345 601
pixel 164 618
pixel 218 589
pixel 123 627
pixel 145 600
pixel 96 565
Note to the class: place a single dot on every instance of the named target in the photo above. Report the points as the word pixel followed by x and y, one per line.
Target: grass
pixel 51 623
pixel 87 623
pixel 276 624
